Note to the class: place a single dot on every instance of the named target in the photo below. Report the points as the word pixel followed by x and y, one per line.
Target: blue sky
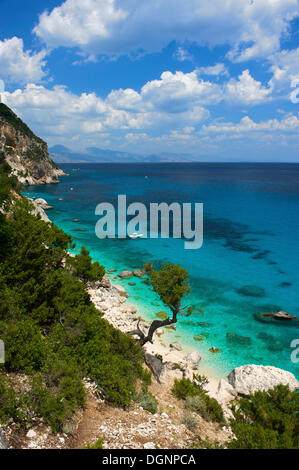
pixel 218 80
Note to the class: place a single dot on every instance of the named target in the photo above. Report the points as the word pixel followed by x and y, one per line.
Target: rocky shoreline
pixel 177 362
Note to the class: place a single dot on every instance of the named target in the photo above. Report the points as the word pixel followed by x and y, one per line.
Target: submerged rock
pixel 251 378
pixel 198 338
pixel 237 339
pixel 162 315
pixel 215 350
pixel 252 291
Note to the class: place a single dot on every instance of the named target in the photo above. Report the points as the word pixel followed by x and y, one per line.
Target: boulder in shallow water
pixel 214 350
pixel 125 274
pixel 198 338
pixel 252 291
pixel 251 378
pixel 137 273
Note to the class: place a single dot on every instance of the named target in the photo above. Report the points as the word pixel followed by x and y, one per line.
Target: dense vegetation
pixel 51 330
pixel 267 420
pixel 197 400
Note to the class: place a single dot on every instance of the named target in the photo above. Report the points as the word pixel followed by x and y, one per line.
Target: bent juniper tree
pixel 171 284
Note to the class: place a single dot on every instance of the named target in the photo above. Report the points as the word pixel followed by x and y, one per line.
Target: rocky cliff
pixel 26 153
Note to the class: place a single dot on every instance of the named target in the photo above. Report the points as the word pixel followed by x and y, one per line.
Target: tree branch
pixel 143 339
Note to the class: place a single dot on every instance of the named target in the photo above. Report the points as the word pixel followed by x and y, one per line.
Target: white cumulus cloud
pixel 18 65
pixel 246 89
pixel 250 28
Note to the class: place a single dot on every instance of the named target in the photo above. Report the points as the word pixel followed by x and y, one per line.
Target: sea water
pixel 250 237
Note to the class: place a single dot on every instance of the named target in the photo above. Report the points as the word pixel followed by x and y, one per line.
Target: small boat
pixel 136 235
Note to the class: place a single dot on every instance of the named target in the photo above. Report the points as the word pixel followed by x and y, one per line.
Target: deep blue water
pixel 251 237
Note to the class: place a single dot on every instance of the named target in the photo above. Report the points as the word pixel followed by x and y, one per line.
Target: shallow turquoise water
pixel 251 237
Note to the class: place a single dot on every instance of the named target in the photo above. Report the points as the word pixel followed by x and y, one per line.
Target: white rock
pixel 149 445
pixel 250 378
pixel 105 282
pixel 31 434
pixel 121 290
pixel 225 392
pixel 193 359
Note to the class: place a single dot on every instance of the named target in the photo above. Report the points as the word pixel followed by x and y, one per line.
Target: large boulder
pixel 121 290
pixel 193 358
pixel 251 378
pixel 137 273
pixel 156 365
pixel 42 203
pixel 105 282
pixel 125 274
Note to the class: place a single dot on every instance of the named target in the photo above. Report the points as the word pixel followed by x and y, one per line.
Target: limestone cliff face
pixel 26 153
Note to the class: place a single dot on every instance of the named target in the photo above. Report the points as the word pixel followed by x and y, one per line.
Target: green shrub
pixel 24 345
pixel 266 420
pixel 198 400
pixel 83 267
pixel 8 400
pixel 98 444
pixel 184 387
pixel 56 396
pixel 147 401
pixel 196 403
pixel 49 324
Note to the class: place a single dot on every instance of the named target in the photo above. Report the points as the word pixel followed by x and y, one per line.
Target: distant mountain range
pixel 62 154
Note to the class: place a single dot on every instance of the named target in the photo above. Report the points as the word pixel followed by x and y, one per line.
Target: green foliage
pixel 50 327
pixel 57 393
pixel 170 283
pixel 198 400
pixel 7 182
pixel 98 444
pixel 83 267
pixel 10 402
pixel 184 388
pixel 147 401
pixel 267 420
pixel 24 345
pixel 207 407
pixel 190 421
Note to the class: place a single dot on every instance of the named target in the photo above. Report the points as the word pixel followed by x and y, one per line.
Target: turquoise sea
pixel 251 237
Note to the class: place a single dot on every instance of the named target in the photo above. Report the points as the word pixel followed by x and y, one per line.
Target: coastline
pixel 114 302
pixel 123 315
